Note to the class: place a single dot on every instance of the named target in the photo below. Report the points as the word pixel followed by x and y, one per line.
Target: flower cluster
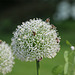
pixel 35 39
pixel 6 58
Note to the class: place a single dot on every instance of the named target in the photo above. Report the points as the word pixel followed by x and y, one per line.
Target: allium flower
pixel 6 58
pixel 35 39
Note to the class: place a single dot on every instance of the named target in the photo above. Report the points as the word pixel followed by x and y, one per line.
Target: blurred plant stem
pixel 74 66
pixel 38 67
pixel 66 63
pixel 72 63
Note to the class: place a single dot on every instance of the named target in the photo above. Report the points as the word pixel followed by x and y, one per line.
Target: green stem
pixel 74 65
pixel 38 67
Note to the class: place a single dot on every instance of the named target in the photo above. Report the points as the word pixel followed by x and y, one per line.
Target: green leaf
pixel 66 56
pixel 68 43
pixel 57 70
pixel 66 69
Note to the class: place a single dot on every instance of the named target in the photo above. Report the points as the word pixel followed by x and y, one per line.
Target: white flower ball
pixel 35 39
pixel 6 58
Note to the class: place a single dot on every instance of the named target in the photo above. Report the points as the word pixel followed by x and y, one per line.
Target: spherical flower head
pixel 35 39
pixel 6 58
pixel 72 48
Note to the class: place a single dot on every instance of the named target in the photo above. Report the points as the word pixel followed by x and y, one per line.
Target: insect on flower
pixel 36 42
pixel 57 40
pixel 34 33
pixel 53 27
pixel 0 41
pixel 39 59
pixel 47 20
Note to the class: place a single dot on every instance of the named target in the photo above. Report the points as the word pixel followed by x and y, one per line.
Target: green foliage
pixel 66 56
pixel 68 43
pixel 66 69
pixel 66 62
pixel 58 70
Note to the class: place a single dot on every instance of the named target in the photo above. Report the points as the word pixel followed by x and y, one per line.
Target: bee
pixel 53 27
pixel 47 20
pixel 57 40
pixel 39 59
pixel 0 41
pixel 58 49
pixel 34 33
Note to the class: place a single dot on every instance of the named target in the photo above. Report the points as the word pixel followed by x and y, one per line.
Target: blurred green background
pixel 14 12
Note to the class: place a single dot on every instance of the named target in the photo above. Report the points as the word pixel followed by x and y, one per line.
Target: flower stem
pixel 38 67
pixel 74 65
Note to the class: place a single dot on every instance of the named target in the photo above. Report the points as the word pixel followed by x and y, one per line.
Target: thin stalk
pixel 74 66
pixel 38 67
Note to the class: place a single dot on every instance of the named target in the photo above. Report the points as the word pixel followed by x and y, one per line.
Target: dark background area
pixel 13 12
